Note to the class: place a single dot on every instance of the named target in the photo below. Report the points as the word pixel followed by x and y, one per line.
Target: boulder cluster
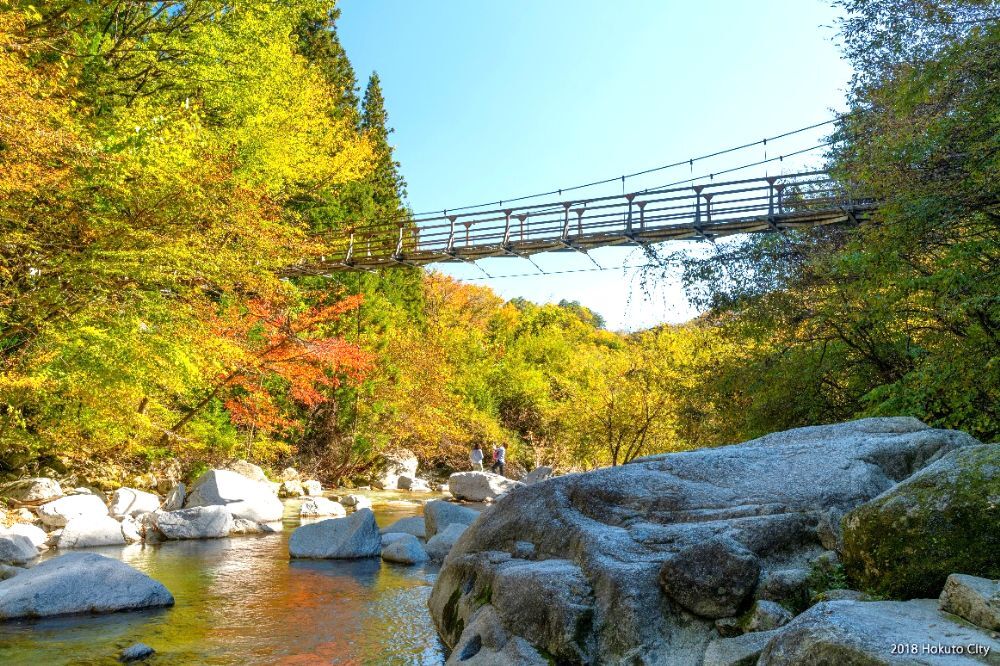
pixel 741 555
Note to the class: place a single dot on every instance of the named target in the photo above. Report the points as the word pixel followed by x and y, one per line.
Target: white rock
pixel 405 550
pixel 79 583
pixel 59 512
pixel 24 515
pixel 175 498
pixel 338 538
pixel 200 522
pixel 35 534
pixel 441 543
pixel 480 486
pixel 291 488
pixel 249 470
pixel 289 474
pixel 132 528
pixel 413 484
pixel 357 502
pixel 312 487
pixel 394 464
pixel 244 526
pixel 321 506
pixel 242 497
pixel 91 531
pixel 32 491
pixel 413 525
pixel 16 549
pixel 129 502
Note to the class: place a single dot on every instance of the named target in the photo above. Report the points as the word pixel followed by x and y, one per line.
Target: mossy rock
pixel 945 519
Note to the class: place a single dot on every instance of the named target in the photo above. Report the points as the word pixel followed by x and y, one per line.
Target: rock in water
pixel 439 514
pixel 321 506
pixel 974 599
pixel 200 522
pixel 36 535
pixel 338 538
pixel 407 549
pixel 16 549
pixel 413 484
pixel 79 583
pixel 357 502
pixel 129 502
pixel 441 543
pixel 88 532
pixel 480 486
pixel 243 497
pixel 413 525
pixel 291 488
pixel 136 652
pixel 312 487
pixel 865 632
pixel 943 519
pixel 617 526
pixel 32 491
pixel 59 512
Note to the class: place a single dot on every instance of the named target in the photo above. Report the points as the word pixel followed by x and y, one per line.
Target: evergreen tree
pixel 387 185
pixel 318 42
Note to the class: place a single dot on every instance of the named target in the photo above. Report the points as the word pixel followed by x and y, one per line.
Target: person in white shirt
pixel 476 457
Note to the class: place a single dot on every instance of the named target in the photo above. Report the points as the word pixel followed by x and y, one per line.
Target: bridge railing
pixel 699 211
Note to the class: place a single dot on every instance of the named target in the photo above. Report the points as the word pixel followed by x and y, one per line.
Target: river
pixel 242 601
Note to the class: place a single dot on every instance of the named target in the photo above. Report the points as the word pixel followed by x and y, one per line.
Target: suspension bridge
pixel 694 210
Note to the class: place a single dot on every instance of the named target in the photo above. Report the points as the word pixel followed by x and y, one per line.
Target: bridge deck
pixel 702 212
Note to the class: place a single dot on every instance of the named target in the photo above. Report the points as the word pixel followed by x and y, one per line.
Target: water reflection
pixel 241 601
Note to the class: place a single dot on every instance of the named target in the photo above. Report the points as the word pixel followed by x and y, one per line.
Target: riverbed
pixel 241 600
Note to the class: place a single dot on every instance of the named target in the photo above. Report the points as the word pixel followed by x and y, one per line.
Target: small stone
pixel 765 616
pixel 312 487
pixel 9 571
pixel 35 534
pixel 137 652
pixel 291 489
pixel 16 549
pixel 175 498
pixel 357 502
pixel 739 651
pixel 321 506
pixel 289 474
pixel 842 595
pixel 32 491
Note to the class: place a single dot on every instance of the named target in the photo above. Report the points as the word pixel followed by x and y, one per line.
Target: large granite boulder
pixel 32 491
pixel 199 522
pixel 91 531
pixel 738 651
pixel 393 464
pixel 16 549
pixel 242 497
pixel 943 519
pixel 59 512
pixel 36 535
pixel 879 632
pixel 480 486
pixel 615 528
pixel 79 583
pixel 713 578
pixel 355 536
pixel 439 514
pixel 130 502
pixel 537 474
pixel 175 498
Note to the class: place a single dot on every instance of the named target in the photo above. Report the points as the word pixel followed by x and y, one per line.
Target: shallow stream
pixel 242 601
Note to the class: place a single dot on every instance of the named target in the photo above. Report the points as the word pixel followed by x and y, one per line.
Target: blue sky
pixel 491 100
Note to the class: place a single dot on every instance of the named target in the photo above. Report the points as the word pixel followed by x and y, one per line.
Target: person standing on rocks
pixel 476 456
pixel 499 459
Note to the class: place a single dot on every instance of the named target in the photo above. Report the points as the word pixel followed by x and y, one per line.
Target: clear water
pixel 242 601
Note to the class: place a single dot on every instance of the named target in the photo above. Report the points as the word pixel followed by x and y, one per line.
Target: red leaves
pixel 288 358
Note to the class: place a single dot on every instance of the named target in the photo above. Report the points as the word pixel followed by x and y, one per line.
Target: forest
pixel 163 165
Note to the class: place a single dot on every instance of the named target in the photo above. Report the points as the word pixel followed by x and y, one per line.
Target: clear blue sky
pixel 492 100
